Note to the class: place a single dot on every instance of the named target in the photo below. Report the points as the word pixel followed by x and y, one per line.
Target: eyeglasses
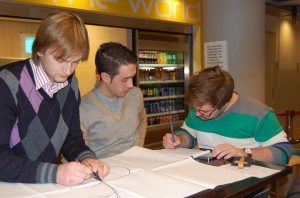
pixel 206 113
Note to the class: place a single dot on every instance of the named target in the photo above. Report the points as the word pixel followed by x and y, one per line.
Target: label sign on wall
pixel 215 53
pixel 185 11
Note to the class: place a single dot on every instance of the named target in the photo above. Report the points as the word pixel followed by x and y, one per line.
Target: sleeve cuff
pixel 46 173
pixel 86 154
pixel 192 140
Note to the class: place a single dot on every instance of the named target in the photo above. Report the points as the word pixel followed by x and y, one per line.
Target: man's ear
pixel 39 54
pixel 105 77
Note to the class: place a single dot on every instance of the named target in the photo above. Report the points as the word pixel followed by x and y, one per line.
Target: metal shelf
pixel 165 113
pixel 146 65
pixel 163 97
pixel 146 82
pixel 164 125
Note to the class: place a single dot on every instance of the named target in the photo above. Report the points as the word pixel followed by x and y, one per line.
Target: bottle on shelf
pixel 169 58
pixel 141 58
pixel 148 57
pixel 144 91
pixel 164 59
pixel 155 91
pixel 149 91
pixel 151 74
pixel 159 57
pixel 146 74
pixel 141 75
pixel 173 75
pixel 154 57
pixel 162 74
pixel 174 58
pixel 164 119
pixel 157 74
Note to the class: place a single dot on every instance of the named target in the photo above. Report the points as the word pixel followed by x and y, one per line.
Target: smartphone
pixel 207 157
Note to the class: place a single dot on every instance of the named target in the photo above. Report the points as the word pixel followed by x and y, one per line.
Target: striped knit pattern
pixel 246 124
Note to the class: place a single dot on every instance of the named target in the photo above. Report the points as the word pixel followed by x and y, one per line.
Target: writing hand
pixel 101 168
pixel 168 142
pixel 72 173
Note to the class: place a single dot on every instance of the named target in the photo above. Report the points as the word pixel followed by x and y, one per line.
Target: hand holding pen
pixel 71 174
pixel 94 174
pixel 102 168
pixel 74 173
pixel 168 141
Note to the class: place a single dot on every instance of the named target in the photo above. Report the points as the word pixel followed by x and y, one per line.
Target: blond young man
pixel 39 107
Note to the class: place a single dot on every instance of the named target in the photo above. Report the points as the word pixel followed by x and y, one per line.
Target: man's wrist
pixel 248 152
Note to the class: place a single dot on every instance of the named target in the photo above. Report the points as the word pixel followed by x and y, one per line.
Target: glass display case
pixel 161 79
pixel 163 71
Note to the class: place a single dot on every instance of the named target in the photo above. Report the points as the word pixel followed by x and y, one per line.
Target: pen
pixel 173 137
pixel 95 175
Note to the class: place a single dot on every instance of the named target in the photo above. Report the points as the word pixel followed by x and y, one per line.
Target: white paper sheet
pixel 145 158
pixel 152 184
pixel 16 190
pixel 255 171
pixel 201 174
pixel 185 152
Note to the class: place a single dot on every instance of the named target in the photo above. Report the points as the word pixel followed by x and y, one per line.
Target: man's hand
pixel 168 141
pixel 72 173
pixel 101 168
pixel 227 151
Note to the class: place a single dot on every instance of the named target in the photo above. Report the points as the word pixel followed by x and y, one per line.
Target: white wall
pixel 287 75
pixel 242 25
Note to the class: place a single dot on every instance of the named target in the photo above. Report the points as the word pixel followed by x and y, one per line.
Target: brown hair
pixel 64 34
pixel 212 86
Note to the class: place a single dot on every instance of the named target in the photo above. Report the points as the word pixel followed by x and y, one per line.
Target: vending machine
pixel 163 71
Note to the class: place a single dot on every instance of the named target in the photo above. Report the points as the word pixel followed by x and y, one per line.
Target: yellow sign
pixel 184 11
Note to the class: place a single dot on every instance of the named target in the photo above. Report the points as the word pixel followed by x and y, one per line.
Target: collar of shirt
pixel 42 80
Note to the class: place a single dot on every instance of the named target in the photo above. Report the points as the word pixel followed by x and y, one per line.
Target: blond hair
pixel 64 35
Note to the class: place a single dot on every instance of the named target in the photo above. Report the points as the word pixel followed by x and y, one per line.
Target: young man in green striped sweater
pixel 229 124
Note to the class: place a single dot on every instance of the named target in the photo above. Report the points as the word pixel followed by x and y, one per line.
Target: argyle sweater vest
pixel 36 127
